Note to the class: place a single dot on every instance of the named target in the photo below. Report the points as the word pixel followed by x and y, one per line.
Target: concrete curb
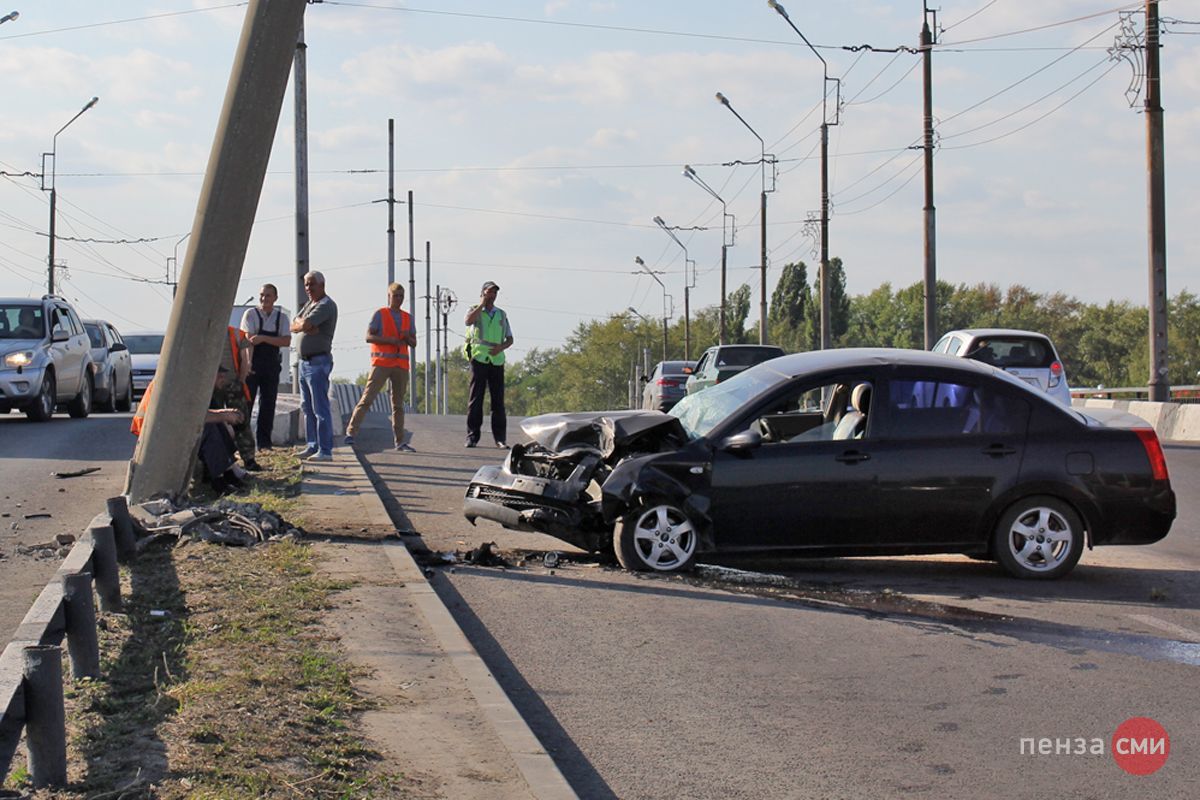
pixel 537 768
pixel 1177 422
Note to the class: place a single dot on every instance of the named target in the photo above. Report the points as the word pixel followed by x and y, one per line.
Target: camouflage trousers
pixel 233 396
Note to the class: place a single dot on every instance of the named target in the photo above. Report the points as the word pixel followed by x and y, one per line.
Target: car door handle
pixel 997 450
pixel 853 457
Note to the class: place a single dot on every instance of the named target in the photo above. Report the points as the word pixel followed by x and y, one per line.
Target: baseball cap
pixel 490 285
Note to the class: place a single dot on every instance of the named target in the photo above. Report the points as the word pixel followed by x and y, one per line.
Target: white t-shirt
pixel 251 316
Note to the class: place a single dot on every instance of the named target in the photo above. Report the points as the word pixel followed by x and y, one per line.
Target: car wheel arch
pixel 633 490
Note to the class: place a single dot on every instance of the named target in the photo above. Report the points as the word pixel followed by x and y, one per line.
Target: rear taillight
pixel 1154 452
pixel 668 382
pixel 1056 372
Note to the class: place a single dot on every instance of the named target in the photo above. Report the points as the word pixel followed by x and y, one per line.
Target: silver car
pixel 144 349
pixel 111 366
pixel 45 358
pixel 1026 355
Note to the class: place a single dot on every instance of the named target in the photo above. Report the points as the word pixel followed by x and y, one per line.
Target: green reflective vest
pixel 488 330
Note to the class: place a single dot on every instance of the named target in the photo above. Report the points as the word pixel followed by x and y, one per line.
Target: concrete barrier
pixel 1178 422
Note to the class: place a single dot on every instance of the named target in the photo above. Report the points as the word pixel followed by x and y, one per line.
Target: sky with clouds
pixel 541 138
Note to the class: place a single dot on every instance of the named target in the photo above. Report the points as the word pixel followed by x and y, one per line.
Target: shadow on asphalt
pixel 576 768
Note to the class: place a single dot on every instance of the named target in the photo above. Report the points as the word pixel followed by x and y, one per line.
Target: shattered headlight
pixel 21 358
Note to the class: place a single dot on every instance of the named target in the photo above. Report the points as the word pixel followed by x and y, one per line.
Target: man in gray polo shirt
pixel 313 330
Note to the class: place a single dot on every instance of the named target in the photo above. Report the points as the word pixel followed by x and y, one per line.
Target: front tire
pixel 81 404
pixel 658 538
pixel 126 401
pixel 1038 538
pixel 109 406
pixel 42 407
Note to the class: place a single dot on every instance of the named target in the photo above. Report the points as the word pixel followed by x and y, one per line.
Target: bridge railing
pixel 1178 394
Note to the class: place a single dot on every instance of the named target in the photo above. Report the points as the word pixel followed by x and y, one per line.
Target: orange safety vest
pixel 139 416
pixel 391 355
pixel 235 335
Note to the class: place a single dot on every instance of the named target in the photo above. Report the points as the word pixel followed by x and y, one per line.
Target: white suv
pixel 45 358
pixel 1027 355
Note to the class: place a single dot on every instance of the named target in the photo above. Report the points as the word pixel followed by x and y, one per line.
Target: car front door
pixel 803 491
pixel 946 446
pixel 68 353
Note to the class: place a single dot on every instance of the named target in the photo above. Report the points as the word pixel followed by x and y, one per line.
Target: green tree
pixel 839 308
pixel 789 304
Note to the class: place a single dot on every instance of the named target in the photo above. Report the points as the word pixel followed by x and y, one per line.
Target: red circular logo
pixel 1140 746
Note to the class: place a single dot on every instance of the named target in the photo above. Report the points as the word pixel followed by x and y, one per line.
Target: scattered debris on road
pixel 76 473
pixel 39 515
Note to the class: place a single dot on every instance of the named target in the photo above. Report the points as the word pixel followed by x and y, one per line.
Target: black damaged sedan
pixel 840 452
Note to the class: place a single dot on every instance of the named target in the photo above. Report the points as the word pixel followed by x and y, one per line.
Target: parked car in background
pixel 722 362
pixel 840 452
pixel 112 366
pixel 665 385
pixel 1027 355
pixel 46 358
pixel 144 350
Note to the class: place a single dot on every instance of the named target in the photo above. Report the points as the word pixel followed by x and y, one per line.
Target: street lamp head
pixel 659 222
pixel 779 8
pixel 9 17
pixel 638 260
pixel 722 99
pixel 688 172
pixel 91 103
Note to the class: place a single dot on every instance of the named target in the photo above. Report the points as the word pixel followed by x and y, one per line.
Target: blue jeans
pixel 314 402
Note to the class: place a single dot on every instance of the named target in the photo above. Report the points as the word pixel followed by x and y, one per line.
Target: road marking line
pixel 1170 627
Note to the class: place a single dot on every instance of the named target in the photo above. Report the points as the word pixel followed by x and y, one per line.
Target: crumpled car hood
pixel 608 431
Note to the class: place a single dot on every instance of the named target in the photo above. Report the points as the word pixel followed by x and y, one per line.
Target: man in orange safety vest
pixel 391 334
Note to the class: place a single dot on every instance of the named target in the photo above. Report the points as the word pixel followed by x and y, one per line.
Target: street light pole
pixel 762 300
pixel 688 283
pixel 728 236
pixel 638 260
pixel 53 192
pixel 826 321
pixel 173 264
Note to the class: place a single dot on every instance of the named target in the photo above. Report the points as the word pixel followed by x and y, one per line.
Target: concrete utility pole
pixel 437 347
pixel 300 110
pixel 237 165
pixel 412 304
pixel 391 201
pixel 1160 384
pixel 927 42
pixel 428 327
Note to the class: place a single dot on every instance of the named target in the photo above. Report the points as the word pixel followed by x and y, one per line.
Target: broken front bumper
pixel 536 505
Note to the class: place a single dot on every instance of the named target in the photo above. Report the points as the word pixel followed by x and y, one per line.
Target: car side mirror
pixel 118 347
pixel 59 335
pixel 742 442
pixel 644 379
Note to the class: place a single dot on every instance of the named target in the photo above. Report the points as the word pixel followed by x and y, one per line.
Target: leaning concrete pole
pixel 162 462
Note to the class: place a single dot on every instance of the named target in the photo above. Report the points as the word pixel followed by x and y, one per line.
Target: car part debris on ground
pixel 225 522
pixel 76 473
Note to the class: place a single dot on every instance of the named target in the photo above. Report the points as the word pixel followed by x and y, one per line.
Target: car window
pixel 73 321
pixel 22 322
pixel 701 364
pixel 954 345
pixel 58 321
pixel 145 344
pixel 940 347
pixel 94 335
pixel 936 408
pixel 113 336
pixel 816 412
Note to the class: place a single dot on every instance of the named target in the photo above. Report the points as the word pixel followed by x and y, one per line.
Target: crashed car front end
pixel 555 484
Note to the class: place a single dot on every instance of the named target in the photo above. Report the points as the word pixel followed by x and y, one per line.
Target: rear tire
pixel 81 404
pixel 657 538
pixel 42 408
pixel 1038 538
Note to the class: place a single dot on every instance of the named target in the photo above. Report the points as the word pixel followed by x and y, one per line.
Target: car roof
pixel 864 357
pixel 143 333
pixel 995 332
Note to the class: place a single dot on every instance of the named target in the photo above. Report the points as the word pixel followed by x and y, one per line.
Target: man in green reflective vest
pixel 491 337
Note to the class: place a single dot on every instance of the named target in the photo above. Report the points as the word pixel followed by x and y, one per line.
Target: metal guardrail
pixel 31 679
pixel 1178 394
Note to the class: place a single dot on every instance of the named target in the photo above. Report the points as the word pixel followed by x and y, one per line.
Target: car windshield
pixel 675 367
pixel 701 412
pixel 93 332
pixel 145 344
pixel 21 322
pixel 745 356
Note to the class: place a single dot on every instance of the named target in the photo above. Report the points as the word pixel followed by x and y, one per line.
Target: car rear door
pixel 947 444
pixel 809 491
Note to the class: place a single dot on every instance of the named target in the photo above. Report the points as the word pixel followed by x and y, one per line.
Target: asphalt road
pixel 920 679
pixel 29 453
